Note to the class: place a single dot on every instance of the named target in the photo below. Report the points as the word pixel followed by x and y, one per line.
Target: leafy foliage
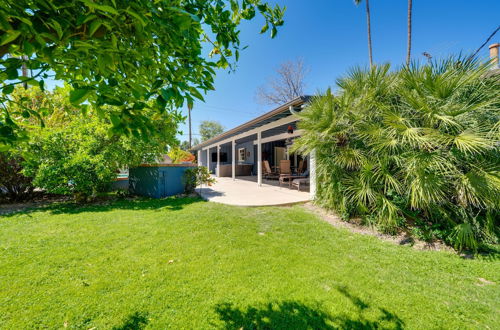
pixel 16 184
pixel 197 176
pixel 185 144
pixel 210 129
pixel 121 53
pixel 77 154
pixel 418 144
pixel 178 155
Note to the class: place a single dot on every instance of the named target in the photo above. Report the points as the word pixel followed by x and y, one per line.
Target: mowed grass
pixel 184 263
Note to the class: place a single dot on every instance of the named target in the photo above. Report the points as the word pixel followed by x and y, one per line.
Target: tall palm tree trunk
pixel 408 52
pixel 369 32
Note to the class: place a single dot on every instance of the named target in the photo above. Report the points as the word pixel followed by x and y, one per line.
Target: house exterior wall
pixel 249 148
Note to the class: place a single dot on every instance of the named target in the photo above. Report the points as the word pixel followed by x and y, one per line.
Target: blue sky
pixel 330 35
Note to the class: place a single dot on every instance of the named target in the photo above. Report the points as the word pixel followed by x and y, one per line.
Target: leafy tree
pixel 416 145
pixel 33 105
pixel 185 144
pixel 121 53
pixel 210 129
pixel 178 155
pixel 288 85
pixel 76 154
pixel 82 158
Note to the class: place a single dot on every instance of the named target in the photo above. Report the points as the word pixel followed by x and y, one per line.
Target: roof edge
pixel 282 108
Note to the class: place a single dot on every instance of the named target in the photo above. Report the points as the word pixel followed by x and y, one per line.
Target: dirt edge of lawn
pixel 399 239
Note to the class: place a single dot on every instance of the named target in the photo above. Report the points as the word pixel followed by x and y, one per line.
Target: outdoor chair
pixel 302 167
pixel 285 167
pixel 267 172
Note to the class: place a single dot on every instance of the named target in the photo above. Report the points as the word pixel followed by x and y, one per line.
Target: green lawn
pixel 184 263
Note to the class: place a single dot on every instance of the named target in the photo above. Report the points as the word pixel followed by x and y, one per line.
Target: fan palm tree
pixel 420 143
pixel 367 2
pixel 408 52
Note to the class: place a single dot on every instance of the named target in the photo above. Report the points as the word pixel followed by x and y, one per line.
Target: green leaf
pixel 28 48
pixel 167 93
pixel 115 119
pixel 264 28
pixel 57 27
pixel 274 31
pixel 196 93
pixel 12 73
pixel 9 36
pixel 8 89
pixel 161 101
pixel 94 26
pixel 77 96
pixel 157 84
pixel 104 8
pixel 136 16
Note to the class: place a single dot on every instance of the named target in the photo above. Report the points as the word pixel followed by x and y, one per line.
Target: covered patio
pixel 244 157
pixel 245 192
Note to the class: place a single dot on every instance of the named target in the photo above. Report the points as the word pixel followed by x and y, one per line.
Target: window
pixel 242 154
pixel 223 157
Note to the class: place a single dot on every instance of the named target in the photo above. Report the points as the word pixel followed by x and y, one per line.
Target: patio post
pixel 259 159
pixel 312 174
pixel 218 161
pixel 208 159
pixel 233 160
pixel 199 158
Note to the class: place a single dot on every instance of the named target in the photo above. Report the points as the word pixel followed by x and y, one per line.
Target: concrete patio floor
pixel 244 191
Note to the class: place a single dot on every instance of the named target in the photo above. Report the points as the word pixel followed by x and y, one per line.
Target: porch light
pixel 290 129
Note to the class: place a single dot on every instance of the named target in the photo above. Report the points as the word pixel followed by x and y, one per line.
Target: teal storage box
pixel 158 181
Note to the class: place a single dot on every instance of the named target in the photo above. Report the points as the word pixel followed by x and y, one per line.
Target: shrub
pixel 196 176
pixel 420 143
pixel 17 185
pixel 83 158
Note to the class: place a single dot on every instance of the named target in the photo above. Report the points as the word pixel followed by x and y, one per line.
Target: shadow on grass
pixel 296 315
pixel 170 203
pixel 134 321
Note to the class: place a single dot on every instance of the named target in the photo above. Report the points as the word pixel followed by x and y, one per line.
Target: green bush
pixel 17 186
pixel 196 176
pixel 82 158
pixel 417 145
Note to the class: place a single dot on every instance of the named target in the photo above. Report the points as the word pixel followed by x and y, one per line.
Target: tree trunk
pixel 408 52
pixel 189 119
pixel 370 57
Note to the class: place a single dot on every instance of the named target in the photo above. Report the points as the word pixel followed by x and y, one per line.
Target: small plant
pixel 463 237
pixel 197 176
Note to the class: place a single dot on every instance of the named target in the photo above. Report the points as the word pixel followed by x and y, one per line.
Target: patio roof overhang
pixel 272 119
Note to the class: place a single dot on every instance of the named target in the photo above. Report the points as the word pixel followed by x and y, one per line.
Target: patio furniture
pixel 291 177
pixel 302 167
pixel 285 166
pixel 267 172
pixel 300 182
